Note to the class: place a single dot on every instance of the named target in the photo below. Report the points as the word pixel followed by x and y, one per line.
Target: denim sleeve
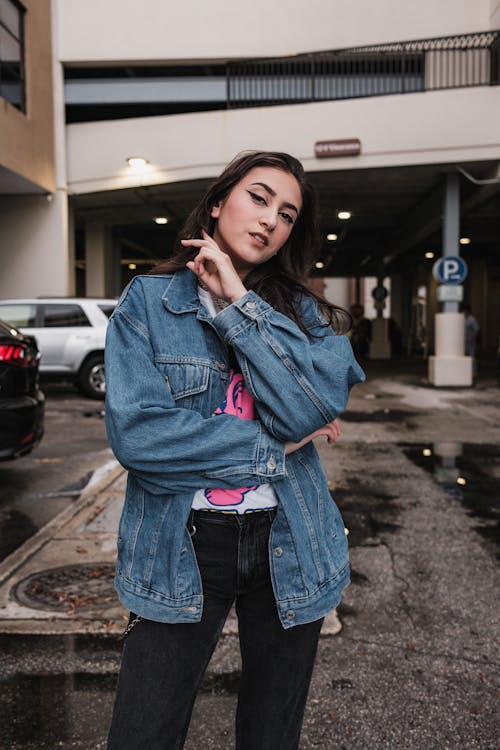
pixel 299 383
pixel 170 449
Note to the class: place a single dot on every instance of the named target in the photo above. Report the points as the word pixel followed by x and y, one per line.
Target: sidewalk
pixel 61 580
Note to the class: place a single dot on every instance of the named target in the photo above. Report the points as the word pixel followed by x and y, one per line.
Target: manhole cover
pixel 68 589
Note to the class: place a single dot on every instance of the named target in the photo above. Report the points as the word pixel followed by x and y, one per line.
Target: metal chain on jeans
pixel 130 626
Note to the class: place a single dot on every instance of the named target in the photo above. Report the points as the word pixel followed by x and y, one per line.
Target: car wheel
pixel 91 377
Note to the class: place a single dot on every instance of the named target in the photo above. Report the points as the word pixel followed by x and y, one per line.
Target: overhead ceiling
pixel 396 215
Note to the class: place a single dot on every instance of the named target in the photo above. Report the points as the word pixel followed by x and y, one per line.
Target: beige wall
pixel 34 246
pixel 123 30
pixel 495 14
pixel 427 128
pixel 27 140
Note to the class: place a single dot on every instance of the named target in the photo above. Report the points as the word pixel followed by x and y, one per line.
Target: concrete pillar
pixel 98 260
pixel 449 366
pixel 380 345
pixel 33 245
pixel 337 291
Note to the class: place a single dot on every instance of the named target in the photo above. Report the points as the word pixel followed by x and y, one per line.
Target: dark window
pixel 12 53
pixel 67 316
pixel 107 309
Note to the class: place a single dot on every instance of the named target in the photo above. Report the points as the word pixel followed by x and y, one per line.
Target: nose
pixel 269 218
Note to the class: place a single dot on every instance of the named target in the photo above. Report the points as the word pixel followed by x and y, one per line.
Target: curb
pixel 101 479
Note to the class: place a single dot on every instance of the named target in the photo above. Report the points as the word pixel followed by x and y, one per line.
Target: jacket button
pixel 290 614
pixel 271 464
pixel 250 305
pixel 278 551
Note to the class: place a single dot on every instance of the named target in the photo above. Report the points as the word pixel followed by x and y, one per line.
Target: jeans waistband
pixel 240 519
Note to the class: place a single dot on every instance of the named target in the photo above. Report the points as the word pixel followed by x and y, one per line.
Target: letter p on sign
pixel 450 270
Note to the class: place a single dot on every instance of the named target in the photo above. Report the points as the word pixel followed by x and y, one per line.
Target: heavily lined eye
pixel 257 198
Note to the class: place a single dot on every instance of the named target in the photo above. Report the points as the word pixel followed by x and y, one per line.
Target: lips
pixel 261 238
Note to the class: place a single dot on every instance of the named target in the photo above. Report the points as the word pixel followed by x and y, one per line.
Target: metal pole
pixel 451 225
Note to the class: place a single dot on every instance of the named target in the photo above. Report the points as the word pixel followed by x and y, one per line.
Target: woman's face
pixel 257 217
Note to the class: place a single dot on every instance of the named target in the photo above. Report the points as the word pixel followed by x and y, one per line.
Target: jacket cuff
pixel 240 314
pixel 270 458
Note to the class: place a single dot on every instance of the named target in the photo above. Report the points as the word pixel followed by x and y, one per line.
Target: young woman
pixel 221 368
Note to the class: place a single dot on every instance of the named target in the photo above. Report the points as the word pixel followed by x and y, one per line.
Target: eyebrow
pixel 273 193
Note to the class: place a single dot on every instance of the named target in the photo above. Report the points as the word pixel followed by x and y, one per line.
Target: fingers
pixel 331 431
pixel 205 241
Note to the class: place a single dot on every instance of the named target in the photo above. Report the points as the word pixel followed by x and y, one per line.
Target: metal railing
pixel 396 68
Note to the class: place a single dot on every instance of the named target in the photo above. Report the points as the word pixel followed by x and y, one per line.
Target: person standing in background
pixel 471 332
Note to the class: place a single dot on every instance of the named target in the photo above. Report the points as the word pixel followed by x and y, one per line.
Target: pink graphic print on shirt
pixel 239 402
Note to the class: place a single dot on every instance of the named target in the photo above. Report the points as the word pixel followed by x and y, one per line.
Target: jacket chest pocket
pixel 187 380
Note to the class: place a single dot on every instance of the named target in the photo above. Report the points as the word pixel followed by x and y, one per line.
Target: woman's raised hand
pixel 331 431
pixel 215 269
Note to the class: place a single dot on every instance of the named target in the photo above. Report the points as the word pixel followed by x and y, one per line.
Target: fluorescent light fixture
pixel 331 237
pixel 132 266
pixel 464 240
pixel 137 161
pixel 160 220
pixel 430 254
pixel 344 215
pixel 319 264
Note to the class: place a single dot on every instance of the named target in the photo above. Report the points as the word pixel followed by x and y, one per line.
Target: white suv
pixel 70 332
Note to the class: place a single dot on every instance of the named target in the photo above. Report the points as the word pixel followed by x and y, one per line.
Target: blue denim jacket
pixel 167 367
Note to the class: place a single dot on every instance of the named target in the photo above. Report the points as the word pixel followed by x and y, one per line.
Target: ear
pixel 215 212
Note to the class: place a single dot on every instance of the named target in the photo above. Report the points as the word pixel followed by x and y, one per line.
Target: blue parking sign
pixel 450 269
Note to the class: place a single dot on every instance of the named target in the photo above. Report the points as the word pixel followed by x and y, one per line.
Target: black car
pixel 22 403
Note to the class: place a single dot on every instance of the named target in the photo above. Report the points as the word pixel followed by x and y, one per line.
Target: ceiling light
pixel 430 254
pixel 132 266
pixel 426 452
pixel 137 161
pixel 464 240
pixel 331 237
pixel 344 215
pixel 461 480
pixel 160 220
pixel 319 264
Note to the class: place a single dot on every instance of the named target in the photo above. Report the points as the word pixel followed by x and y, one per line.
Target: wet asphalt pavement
pixel 34 488
pixel 416 665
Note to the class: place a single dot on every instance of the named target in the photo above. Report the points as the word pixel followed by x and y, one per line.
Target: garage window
pixel 12 53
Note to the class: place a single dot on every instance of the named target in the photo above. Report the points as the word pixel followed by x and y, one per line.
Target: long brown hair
pixel 281 279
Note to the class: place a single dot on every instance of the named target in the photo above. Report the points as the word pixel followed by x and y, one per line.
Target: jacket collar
pixel 181 294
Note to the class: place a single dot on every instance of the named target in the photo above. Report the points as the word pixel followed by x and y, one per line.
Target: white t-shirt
pixel 239 402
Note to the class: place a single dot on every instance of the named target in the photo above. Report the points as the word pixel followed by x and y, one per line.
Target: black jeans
pixel 163 664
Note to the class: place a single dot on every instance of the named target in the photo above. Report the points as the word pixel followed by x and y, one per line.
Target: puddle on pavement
pixel 15 528
pixel 470 473
pixel 47 711
pixel 368 513
pixel 59 691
